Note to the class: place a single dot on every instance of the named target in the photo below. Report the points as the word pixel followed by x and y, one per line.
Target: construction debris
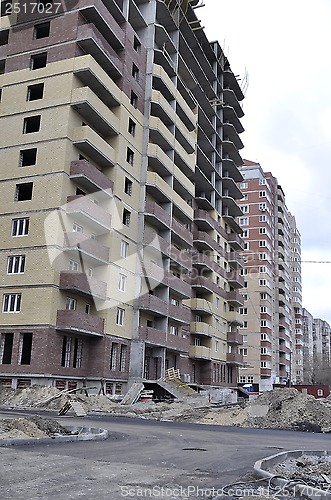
pixel 282 408
pixel 34 426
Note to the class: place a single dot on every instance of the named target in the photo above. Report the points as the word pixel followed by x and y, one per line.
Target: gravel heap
pixel 311 469
pixel 281 408
pixel 29 427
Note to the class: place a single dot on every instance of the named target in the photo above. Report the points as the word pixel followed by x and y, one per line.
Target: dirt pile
pixel 280 408
pixel 30 427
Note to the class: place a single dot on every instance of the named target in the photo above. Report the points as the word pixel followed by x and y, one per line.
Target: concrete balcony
pixel 182 232
pixel 199 352
pixel 89 250
pixel 202 306
pixel 231 99
pixel 92 42
pixel 159 72
pixel 91 74
pixel 235 298
pixel 205 284
pixel 231 168
pixel 94 111
pixel 161 338
pixel 82 284
pixel 180 313
pixel 89 213
pixel 235 279
pixel 231 116
pixel 159 160
pixel 203 261
pixel 162 192
pixel 204 241
pixel 236 260
pixel 265 372
pixel 153 304
pixel 157 216
pixel 235 241
pixel 234 338
pixel 231 207
pixel 162 109
pixel 96 12
pixel 179 285
pixel 234 358
pixel 76 322
pixel 229 130
pixel 201 328
pixel 89 177
pixel 91 144
pixel 234 318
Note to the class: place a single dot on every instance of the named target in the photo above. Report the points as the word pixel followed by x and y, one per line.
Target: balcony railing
pixel 234 338
pixel 234 358
pixel 89 177
pixel 88 212
pixel 81 284
pixel 80 323
pixel 89 249
pixel 199 352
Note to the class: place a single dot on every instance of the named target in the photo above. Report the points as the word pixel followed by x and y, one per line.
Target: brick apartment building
pixel 272 314
pixel 120 145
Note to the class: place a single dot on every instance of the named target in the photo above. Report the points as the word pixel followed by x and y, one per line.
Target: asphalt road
pixel 142 459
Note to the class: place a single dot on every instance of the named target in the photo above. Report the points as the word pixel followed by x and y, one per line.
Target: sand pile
pixel 30 427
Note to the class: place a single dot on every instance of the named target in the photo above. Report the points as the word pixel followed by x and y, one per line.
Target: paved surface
pixel 141 455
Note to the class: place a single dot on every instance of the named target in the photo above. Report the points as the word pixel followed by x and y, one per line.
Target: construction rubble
pixel 30 427
pixel 281 408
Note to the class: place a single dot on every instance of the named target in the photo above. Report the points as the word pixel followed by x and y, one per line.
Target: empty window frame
pixel 134 100
pixel 38 61
pixel 78 353
pixel 16 264
pixel 41 30
pixel 20 227
pixel 120 313
pixel 11 303
pixel 135 72
pixel 35 92
pixel 23 191
pixel 129 156
pixel 128 186
pixel 6 348
pixel 123 357
pixel 66 351
pixel 136 44
pixel 71 304
pixel 2 66
pixel 31 124
pixel 126 217
pixel 25 348
pixel 4 34
pixel 113 356
pixel 28 157
pixel 132 127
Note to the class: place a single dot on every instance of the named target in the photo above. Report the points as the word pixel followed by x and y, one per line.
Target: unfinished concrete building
pixel 120 145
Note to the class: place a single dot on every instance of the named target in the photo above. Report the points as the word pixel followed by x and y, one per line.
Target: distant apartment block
pixel 272 314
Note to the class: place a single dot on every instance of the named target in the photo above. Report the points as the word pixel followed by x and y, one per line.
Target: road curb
pixel 81 434
pixel 303 490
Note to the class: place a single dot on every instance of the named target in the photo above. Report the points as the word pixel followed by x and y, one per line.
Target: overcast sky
pixel 285 47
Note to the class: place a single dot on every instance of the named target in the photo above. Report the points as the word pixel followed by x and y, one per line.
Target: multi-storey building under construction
pixel 271 314
pixel 120 145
